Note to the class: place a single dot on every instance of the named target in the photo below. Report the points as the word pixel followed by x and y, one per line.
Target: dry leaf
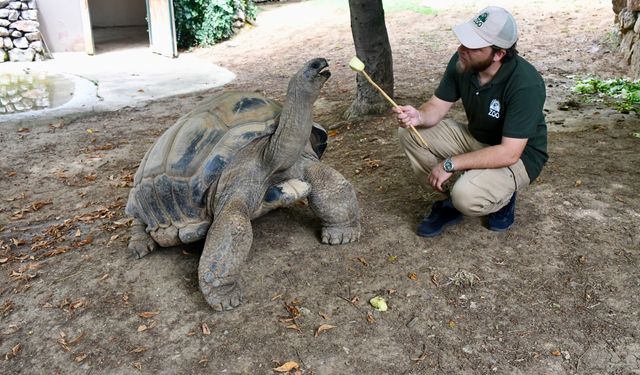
pixel 322 328
pixel 556 353
pixel 370 318
pixel 287 367
pixel 81 357
pixel 4 260
pixel 413 276
pixel 205 329
pixel 139 349
pixel 147 314
pixel 142 328
pixel 137 365
pixel 363 261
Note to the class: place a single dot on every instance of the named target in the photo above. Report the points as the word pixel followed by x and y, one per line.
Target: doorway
pixel 118 24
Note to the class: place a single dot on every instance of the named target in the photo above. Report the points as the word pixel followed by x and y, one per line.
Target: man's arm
pixel 429 114
pixel 503 155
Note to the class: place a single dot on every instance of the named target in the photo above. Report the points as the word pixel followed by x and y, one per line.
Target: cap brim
pixel 468 36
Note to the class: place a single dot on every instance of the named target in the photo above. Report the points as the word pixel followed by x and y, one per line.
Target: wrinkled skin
pixel 269 173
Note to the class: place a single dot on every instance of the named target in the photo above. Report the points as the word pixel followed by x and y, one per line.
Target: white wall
pixel 106 13
pixel 61 24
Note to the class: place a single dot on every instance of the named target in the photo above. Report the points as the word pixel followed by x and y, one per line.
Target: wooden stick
pixel 424 143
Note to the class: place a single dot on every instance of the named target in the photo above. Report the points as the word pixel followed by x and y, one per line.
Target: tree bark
pixel 372 47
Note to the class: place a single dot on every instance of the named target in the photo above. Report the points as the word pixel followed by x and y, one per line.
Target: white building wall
pixel 61 24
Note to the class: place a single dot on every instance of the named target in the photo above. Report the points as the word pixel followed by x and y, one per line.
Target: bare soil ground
pixel 556 294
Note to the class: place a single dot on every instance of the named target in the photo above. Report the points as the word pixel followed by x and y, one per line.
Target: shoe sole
pixel 428 235
pixel 496 229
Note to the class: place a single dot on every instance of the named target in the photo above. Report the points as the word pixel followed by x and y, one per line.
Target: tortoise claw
pixel 342 235
pixel 221 296
pixel 140 247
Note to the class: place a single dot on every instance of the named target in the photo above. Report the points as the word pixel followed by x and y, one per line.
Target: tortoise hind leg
pixel 140 242
pixel 225 250
pixel 334 201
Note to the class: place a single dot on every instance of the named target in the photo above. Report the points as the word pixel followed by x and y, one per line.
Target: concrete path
pixel 115 79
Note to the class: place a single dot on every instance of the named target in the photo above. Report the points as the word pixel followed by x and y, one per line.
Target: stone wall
pixel 20 36
pixel 628 23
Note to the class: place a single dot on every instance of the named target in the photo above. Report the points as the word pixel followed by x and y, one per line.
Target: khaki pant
pixel 476 192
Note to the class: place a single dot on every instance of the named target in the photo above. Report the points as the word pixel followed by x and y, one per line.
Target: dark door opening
pixel 118 24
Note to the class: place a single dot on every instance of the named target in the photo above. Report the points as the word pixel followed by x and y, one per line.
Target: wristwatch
pixel 448 165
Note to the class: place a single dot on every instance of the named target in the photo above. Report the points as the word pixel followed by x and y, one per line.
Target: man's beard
pixel 476 67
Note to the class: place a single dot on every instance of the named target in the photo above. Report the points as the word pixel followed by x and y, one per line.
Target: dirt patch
pixel 557 294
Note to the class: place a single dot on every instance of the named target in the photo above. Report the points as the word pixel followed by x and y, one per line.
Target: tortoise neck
pixel 294 128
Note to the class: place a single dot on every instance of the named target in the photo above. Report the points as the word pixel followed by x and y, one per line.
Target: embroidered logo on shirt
pixel 481 19
pixel 494 108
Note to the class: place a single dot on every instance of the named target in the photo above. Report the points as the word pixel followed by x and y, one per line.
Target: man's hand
pixel 407 116
pixel 438 177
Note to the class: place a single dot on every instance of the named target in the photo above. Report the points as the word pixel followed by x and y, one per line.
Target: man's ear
pixel 499 55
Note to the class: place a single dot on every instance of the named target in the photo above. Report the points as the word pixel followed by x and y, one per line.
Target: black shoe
pixel 442 215
pixel 503 219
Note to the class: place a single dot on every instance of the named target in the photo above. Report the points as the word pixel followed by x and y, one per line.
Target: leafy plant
pixel 205 22
pixel 620 93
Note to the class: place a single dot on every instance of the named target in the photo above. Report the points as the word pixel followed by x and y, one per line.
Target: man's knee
pixel 467 199
pixel 404 136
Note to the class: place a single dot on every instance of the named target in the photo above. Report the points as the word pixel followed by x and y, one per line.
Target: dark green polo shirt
pixel 510 105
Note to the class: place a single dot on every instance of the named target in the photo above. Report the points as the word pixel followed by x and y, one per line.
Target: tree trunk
pixel 373 48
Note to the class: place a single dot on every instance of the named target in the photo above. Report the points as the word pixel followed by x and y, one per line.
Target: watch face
pixel 448 165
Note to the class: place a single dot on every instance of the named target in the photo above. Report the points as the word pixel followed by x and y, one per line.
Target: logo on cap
pixel 481 19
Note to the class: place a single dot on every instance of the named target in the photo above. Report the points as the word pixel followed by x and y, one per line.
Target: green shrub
pixel 620 93
pixel 205 22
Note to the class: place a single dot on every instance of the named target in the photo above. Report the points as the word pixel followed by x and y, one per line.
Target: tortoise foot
pixel 142 245
pixel 221 295
pixel 340 235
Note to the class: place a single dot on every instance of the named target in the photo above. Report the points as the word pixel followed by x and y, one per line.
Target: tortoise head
pixel 311 77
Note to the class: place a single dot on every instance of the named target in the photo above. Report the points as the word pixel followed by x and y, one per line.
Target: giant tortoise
pixel 235 157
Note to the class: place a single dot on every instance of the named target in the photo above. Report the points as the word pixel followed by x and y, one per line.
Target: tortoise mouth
pixel 324 72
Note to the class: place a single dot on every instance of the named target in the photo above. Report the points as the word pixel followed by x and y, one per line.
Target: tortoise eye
pixel 315 65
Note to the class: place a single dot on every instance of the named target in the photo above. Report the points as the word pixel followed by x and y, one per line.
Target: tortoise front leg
pixel 334 201
pixel 140 242
pixel 225 251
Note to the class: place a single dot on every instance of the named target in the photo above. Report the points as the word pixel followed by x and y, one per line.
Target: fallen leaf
pixel 142 328
pixel 288 366
pixel 370 318
pixel 451 324
pixel 137 365
pixel 147 314
pixel 4 260
pixel 363 261
pixel 392 258
pixel 413 276
pixel 205 329
pixel 139 349
pixel 24 130
pixel 332 133
pixel 578 183
pixel 81 357
pixel 556 353
pixel 322 328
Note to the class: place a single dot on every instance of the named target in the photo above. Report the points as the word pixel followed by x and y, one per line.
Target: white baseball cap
pixel 492 26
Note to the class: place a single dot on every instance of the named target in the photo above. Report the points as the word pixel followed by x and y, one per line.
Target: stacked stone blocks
pixel 20 38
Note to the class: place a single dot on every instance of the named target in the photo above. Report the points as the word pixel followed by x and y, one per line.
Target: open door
pixel 162 29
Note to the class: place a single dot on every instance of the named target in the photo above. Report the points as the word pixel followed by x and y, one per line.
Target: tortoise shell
pixel 171 186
